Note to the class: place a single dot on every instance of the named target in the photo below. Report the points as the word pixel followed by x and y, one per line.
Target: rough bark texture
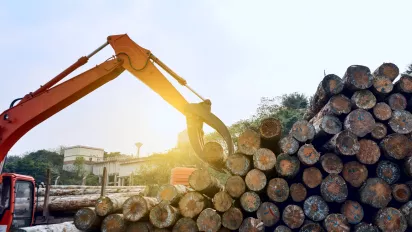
pixel 270 129
pixel 293 216
pixel 192 203
pixel 232 219
pixel 185 225
pixel 379 132
pixel 268 213
pixel 357 77
pixel 202 181
pixel 360 122
pixel 287 166
pixel 315 208
pixel 355 173
pixel 238 164
pixel 344 143
pixel 382 111
pixel 222 201
pixel 164 215
pixel 209 220
pixel 235 186
pixel 214 154
pixel 250 201
pixel 248 142
pixel 113 222
pixel 388 70
pixel 391 219
pixel 312 177
pixel 171 193
pixel 264 159
pixel 353 211
pixel 65 226
pixel 334 189
pixel 298 192
pixel 255 180
pixel 363 99
pixel 401 122
pixel 302 131
pixel 138 207
pixel 86 219
pixel 106 205
pixel 376 193
pixel 289 145
pixel 278 190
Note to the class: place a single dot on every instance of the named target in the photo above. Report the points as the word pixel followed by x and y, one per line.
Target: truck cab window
pixel 24 204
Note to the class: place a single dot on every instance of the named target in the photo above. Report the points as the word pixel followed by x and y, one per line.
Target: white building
pixel 91 155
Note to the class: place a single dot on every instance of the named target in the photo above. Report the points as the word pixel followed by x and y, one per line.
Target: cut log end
pixel 364 227
pixel 293 216
pixel 209 220
pixel 289 145
pixel 264 159
pixel 250 201
pixel 238 164
pixel 255 180
pixel 191 204
pixel 311 227
pixel 251 224
pixel 222 201
pixel 358 77
pixel 315 208
pixel 331 163
pixel 353 211
pixel 404 84
pixel 360 122
pixel 397 101
pixel 369 152
pixel 401 192
pixel 391 219
pixel 171 193
pixel 298 192
pixel 137 207
pixel 185 225
pixel 382 111
pixel 303 131
pixel 232 219
pixel 268 213
pixel 249 142
pixel 214 154
pixel 355 173
pixel 86 219
pixel 287 166
pixel 278 190
pixel 363 99
pixel 340 104
pixel 308 155
pixel 401 122
pixel 388 171
pixel 113 222
pixel 379 132
pixel 312 177
pixel 344 143
pixel 235 186
pixel 270 129
pixel 396 146
pixel 282 228
pixel 202 181
pixel 336 222
pixel 382 85
pixel 388 70
pixel 334 189
pixel 376 193
pixel 163 215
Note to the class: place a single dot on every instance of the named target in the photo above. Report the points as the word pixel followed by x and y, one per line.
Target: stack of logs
pixel 346 166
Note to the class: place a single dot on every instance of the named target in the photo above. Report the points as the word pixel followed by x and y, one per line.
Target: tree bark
pixel 248 142
pixel 343 143
pixel 336 222
pixel 235 186
pixel 202 181
pixel 192 203
pixel 391 219
pixel 379 132
pixel 214 154
pixel 65 226
pixel 397 101
pixel 255 180
pixel 388 70
pixel 250 201
pixel 360 122
pixel 293 216
pixel 278 190
pixel 401 192
pixel 164 215
pixel 376 193
pixel 363 99
pixel 171 193
pixel 222 201
pixel 287 166
pixel 302 131
pixel 382 111
pixel 334 189
pixel 388 171
pixel 238 164
pixel 270 129
pixel 312 177
pixel 308 155
pixel 353 211
pixel 315 208
pixel 93 187
pixel 369 152
pixel 289 145
pixel 396 146
pixel 355 173
pixel 357 77
pixel 106 205
pixel 268 213
pixel 264 159
pixel 113 222
pixel 401 122
pixel 232 219
pixel 298 192
pixel 86 219
pixel 86 191
pixel 404 84
pixel 138 207
pixel 382 86
pixel 331 163
pixel 209 220
pixel 185 225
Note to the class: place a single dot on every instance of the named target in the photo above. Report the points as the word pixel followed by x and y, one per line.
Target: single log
pixel 334 189
pixel 248 142
pixel 160 230
pixel 302 131
pixel 232 219
pixel 326 125
pixel 86 219
pixel 287 166
pixel 293 216
pixel 270 129
pixel 289 145
pixel 391 219
pixel 329 86
pixel 382 86
pixel 138 207
pixel 106 205
pixel 214 154
pixel 238 164
pixel 353 211
pixel 337 105
pixel 376 193
pixel 315 208
pixel 222 201
pixel 139 226
pixel 388 171
pixel 311 227
pixel 331 163
pixel 407 166
pixel 264 159
pixel 379 132
pixel 336 222
pixel 209 220
pixel 185 225
pixel 308 155
pixel 404 84
pixel 363 227
pixel 251 224
pixel 343 143
pixel 355 173
pixel 360 122
pixel 93 187
pixel 363 99
pixel 164 215
pixel 202 181
pixel 406 210
pixel 282 228
pixel 382 111
pixel 235 186
pixel 401 122
pixel 171 193
pixel 357 77
pixel 401 192
pixel 278 190
pixel 397 101
pixel 312 177
pixel 192 203
pixel 250 201
pixel 298 192
pixel 255 180
pixel 113 222
pixel 388 70
pixel 268 213
pixel 65 226
pixel 85 191
pixel 396 146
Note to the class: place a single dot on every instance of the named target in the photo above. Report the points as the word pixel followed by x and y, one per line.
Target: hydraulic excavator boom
pixel 50 98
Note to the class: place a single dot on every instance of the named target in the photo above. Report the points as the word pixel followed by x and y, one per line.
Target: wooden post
pixel 47 195
pixel 104 182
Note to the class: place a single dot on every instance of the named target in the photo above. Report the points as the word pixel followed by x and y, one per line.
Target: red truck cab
pixel 17 201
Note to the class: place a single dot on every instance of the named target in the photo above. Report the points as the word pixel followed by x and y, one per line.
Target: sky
pixel 232 52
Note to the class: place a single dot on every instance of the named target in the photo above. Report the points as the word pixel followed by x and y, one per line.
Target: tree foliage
pixel 409 70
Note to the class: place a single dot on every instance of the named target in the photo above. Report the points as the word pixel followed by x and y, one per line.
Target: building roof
pixel 85 147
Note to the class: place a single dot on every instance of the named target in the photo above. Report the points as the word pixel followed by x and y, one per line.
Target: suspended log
pixel 289 145
pixel 138 207
pixel 363 99
pixel 235 186
pixel 185 225
pixel 238 164
pixel 376 193
pixel 222 201
pixel 357 77
pixel 232 219
pixel 113 222
pixel 343 143
pixel 278 190
pixel 355 173
pixel 401 122
pixel 251 224
pixel 248 142
pixel 388 171
pixel 312 177
pixel 336 222
pixel 214 154
pixel 86 219
pixel 209 220
pixel 268 213
pixel 302 131
pixel 331 163
pixel 308 155
pixel 139 226
pixel 360 122
pixel 396 146
pixel 86 191
pixel 293 216
pixel 382 86
pixel 329 86
pixel 401 192
pixel 404 84
pixel 192 203
pixel 391 219
pixel 298 192
pixel 270 129
pixel 164 215
pixel 287 166
pixel 65 226
pixel 250 201
pixel 315 208
pixel 282 228
pixel 382 111
pixel 379 132
pixel 334 189
pixel 106 205
pixel 255 180
pixel 202 181
pixel 353 211
pixel 264 159
pixel 388 70
pixel 171 193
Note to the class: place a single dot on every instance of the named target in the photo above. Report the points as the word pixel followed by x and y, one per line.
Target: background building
pixel 91 155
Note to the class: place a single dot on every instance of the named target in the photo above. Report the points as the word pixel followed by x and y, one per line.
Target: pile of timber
pixel 347 166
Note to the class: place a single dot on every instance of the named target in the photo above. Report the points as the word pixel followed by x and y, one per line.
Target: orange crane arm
pixel 50 98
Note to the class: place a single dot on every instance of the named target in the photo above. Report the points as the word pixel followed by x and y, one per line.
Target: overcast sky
pixel 232 52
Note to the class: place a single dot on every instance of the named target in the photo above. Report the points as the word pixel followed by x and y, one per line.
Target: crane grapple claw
pixel 196 115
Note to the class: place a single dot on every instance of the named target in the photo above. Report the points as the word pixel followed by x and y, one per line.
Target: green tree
pixel 79 166
pixel 409 69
